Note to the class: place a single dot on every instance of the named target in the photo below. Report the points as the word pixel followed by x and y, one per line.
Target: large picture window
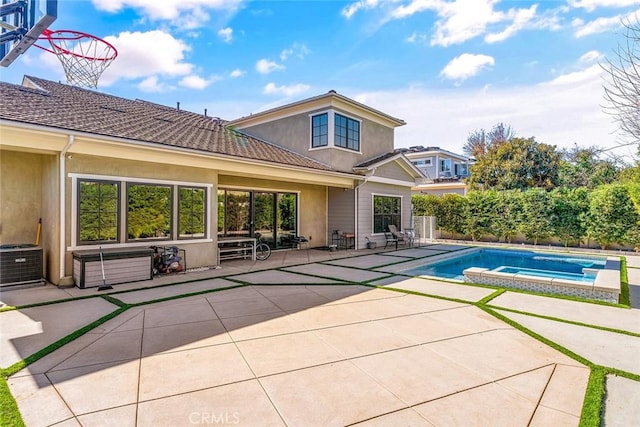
pixel 386 210
pixel 192 212
pixel 98 208
pixel 347 133
pixel 148 212
pixel 320 130
pixel 110 211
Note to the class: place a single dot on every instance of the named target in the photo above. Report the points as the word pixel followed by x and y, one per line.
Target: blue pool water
pixel 568 267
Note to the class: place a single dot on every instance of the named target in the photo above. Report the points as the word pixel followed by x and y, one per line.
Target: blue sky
pixel 445 67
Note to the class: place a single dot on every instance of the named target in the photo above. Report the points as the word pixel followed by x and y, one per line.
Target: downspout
pixel 63 205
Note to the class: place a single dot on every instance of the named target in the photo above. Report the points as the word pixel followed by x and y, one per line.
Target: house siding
pixel 365 206
pixel 394 171
pixel 341 211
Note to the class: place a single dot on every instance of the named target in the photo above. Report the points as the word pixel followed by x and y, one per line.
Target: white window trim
pixel 331 129
pixel 397 196
pixel 125 180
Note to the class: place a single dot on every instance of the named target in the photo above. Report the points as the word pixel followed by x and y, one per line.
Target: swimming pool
pixel 567 267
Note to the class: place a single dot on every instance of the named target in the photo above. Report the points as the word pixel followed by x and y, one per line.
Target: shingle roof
pixel 379 159
pixel 70 108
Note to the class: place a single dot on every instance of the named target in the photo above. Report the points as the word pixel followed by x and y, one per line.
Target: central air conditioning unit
pixel 20 264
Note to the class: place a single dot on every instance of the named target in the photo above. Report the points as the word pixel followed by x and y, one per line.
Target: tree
pixel 612 215
pixel 622 92
pixel 425 204
pixel 479 141
pixel 517 164
pixel 583 167
pixel 508 214
pixel 451 213
pixel 570 206
pixel 481 213
pixel 537 214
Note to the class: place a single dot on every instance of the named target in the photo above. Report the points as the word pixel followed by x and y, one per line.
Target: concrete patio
pixel 304 339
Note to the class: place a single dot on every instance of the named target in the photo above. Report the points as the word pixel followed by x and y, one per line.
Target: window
pixel 445 165
pixel 461 169
pixel 110 211
pixel 347 133
pixel 148 212
pixel 386 210
pixel 320 130
pixel 423 162
pixel 192 211
pixel 98 207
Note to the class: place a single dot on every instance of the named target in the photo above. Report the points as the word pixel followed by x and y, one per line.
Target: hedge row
pixel 608 215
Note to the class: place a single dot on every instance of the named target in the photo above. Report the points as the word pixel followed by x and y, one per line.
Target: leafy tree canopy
pixel 583 167
pixel 517 164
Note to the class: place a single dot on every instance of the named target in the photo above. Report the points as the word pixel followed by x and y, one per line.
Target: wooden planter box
pixel 121 265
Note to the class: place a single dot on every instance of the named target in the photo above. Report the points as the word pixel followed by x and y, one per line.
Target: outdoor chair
pixel 299 241
pixel 390 238
pixel 397 234
pixel 411 236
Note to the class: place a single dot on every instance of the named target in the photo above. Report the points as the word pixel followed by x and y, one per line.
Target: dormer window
pixel 320 130
pixel 347 133
pixel 330 129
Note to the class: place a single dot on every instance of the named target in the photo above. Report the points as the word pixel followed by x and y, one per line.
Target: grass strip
pixel 9 413
pixel 571 322
pixel 421 294
pixel 175 297
pixel 489 297
pixel 624 283
pixel 65 340
pixel 594 399
pixel 537 336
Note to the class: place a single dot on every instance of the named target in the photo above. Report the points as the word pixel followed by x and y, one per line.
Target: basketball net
pixel 84 57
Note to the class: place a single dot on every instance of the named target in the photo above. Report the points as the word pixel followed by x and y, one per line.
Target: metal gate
pixel 425 226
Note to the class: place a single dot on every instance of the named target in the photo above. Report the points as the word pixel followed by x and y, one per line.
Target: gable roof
pixel 331 99
pixel 386 159
pixel 55 105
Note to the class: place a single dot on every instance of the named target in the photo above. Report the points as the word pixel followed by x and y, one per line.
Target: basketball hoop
pixel 84 57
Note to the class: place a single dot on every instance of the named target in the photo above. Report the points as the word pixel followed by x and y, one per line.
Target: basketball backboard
pixel 21 23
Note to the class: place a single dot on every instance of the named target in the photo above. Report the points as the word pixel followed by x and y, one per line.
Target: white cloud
pixel 288 91
pixel 237 73
pixel 298 50
pixel 264 66
pixel 591 5
pixel 521 17
pixel 466 65
pixel 153 85
pixel 417 38
pixel 226 34
pixel 591 56
pixel 559 114
pixel 196 82
pixel 350 10
pixel 152 53
pixel 576 76
pixel 187 14
pixel 598 25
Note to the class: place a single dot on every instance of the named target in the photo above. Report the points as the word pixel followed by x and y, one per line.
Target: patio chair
pixel 412 236
pixel 397 234
pixel 390 238
pixel 298 241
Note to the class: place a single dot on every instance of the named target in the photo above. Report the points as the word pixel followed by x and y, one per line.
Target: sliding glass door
pixel 272 214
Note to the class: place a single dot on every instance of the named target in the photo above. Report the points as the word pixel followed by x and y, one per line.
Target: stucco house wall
pixel 294 133
pixel 312 203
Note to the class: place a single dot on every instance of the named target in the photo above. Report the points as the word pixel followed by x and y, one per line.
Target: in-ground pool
pixel 568 267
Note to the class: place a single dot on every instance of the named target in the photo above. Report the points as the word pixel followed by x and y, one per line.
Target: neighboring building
pixel 103 171
pixel 445 171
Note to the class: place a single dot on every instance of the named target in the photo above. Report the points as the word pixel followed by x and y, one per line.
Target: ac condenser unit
pixel 20 264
